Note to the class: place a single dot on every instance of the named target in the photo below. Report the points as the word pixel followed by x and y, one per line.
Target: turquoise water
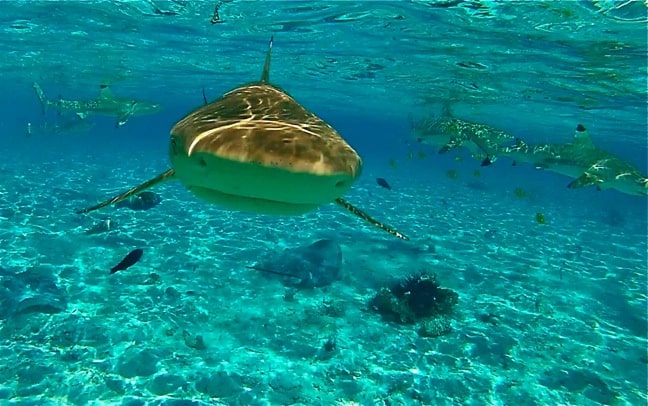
pixel 551 313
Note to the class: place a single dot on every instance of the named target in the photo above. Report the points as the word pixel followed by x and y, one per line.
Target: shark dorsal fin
pixel 105 92
pixel 265 76
pixel 582 137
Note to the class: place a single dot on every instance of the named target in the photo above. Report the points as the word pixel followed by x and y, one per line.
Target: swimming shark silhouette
pixel 449 133
pixel 63 125
pixel 584 161
pixel 106 104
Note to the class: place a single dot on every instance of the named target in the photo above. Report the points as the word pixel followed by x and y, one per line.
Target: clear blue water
pixel 549 313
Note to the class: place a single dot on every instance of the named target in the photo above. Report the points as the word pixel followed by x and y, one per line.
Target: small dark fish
pixel 452 174
pixel 128 261
pixel 540 218
pixel 382 182
pixel 472 65
pixel 520 193
pixel 216 19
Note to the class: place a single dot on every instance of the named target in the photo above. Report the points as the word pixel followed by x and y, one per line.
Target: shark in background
pixel 106 104
pixel 448 133
pixel 63 125
pixel 583 161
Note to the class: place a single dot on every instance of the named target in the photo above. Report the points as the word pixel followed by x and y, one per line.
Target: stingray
pixel 314 265
pixel 257 150
pixel 140 201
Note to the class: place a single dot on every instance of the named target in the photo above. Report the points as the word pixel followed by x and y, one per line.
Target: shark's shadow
pixel 34 290
pixel 310 266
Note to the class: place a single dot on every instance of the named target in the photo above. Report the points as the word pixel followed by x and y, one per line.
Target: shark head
pixel 108 102
pixel 132 108
pixel 642 184
pixel 569 159
pixel 613 173
pixel 141 108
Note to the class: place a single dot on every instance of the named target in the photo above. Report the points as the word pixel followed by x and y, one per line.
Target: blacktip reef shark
pixel 449 133
pixel 256 149
pixel 63 125
pixel 583 161
pixel 106 104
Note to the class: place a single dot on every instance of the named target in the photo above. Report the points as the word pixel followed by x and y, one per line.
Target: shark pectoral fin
pixel 166 175
pixel 487 161
pixel 583 181
pixel 453 144
pixel 369 219
pixel 123 118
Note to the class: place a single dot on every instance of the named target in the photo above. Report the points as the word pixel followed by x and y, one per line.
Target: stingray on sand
pixel 314 265
pixel 257 150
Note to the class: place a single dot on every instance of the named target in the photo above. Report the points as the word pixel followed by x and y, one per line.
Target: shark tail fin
pixel 166 175
pixel 41 96
pixel 265 76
